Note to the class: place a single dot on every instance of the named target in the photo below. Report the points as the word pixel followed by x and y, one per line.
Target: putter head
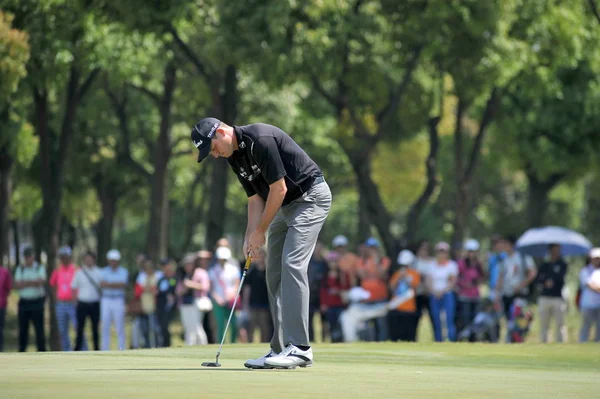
pixel 211 364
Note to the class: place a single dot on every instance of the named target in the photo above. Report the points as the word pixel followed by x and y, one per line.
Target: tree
pixel 14 54
pixel 60 67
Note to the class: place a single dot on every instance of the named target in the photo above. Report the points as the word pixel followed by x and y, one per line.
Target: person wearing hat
pixel 60 282
pixel 440 282
pixel 146 290
pixel 30 278
pixel 347 260
pixel 224 283
pixel 403 317
pixel 113 281
pixel 589 279
pixel 288 200
pixel 334 292
pixel 470 276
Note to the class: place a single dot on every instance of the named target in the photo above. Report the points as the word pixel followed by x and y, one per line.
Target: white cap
pixel 595 253
pixel 223 253
pixel 339 241
pixel 113 254
pixel 65 251
pixel 405 257
pixel 471 245
pixel 442 246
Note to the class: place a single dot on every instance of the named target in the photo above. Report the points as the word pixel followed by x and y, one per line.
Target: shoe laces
pixel 288 349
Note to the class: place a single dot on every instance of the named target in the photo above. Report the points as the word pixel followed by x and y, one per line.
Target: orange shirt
pixel 410 305
pixel 372 277
pixel 348 263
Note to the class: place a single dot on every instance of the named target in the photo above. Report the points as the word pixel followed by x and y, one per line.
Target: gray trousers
pixel 591 318
pixel 290 243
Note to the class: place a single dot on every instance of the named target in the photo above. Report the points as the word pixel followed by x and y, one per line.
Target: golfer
pixel 288 201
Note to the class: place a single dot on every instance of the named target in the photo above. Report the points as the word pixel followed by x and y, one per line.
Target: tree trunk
pixel 156 243
pixel 6 162
pixel 225 108
pixel 538 196
pixel 104 229
pixel 374 204
pixel 364 220
pixel 412 219
pixel 16 240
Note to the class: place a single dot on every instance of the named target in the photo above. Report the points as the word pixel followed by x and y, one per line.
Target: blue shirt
pixel 118 275
pixel 494 267
pixel 590 299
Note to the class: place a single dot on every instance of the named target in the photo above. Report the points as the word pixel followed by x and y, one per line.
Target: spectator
pixel 135 306
pixel 403 316
pixel 317 267
pixel 441 279
pixel 256 299
pixel 5 287
pixel 347 260
pixel 470 275
pixel 422 264
pixel 483 327
pixel 204 260
pixel 146 290
pixel 86 285
pixel 30 278
pixel 224 282
pixel 516 272
pixel 495 259
pixel 590 297
pixel 60 281
pixel 113 282
pixel 334 286
pixel 551 277
pixel 166 301
pixel 372 272
pixel 193 290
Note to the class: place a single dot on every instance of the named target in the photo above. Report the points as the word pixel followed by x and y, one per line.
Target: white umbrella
pixel 535 241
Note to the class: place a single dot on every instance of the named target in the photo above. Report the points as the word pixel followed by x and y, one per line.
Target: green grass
pixel 344 370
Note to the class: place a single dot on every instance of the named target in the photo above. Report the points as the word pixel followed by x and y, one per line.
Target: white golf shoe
pixel 290 358
pixel 259 363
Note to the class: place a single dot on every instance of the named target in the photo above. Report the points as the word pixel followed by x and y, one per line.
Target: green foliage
pixel 14 53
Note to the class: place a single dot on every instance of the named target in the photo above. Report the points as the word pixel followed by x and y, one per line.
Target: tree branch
pixel 153 96
pixel 182 153
pixel 594 8
pixel 124 154
pixel 396 96
pixel 412 219
pixel 88 82
pixel 491 108
pixel 319 88
pixel 189 53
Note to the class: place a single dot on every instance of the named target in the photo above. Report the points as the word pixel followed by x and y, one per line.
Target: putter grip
pixel 248 261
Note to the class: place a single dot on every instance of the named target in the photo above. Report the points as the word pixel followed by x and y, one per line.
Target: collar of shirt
pixel 242 146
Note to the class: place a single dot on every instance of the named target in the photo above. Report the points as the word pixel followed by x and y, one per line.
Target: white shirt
pixel 512 272
pixel 224 280
pixel 86 291
pixel 422 265
pixel 440 274
pixel 141 278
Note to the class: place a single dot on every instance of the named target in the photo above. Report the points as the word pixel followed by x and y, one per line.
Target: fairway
pixel 344 370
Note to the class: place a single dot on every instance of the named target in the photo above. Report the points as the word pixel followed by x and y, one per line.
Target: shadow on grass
pixel 174 369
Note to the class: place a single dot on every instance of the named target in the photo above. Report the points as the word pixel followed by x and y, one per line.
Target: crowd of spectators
pixel 363 295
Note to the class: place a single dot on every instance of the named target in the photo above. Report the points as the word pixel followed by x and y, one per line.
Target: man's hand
pixel 256 242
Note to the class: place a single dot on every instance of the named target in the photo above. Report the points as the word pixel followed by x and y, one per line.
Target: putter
pixel 216 362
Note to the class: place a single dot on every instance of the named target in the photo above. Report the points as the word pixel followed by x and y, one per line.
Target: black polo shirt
pixel 267 154
pixel 555 271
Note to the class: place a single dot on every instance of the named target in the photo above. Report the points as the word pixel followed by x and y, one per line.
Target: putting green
pixel 366 370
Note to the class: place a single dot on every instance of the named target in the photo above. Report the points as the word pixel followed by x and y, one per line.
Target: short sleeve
pixel 266 155
pixel 453 269
pixel 583 277
pixel 18 275
pixel 75 281
pixel 126 274
pixel 529 262
pixel 53 278
pixel 43 272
